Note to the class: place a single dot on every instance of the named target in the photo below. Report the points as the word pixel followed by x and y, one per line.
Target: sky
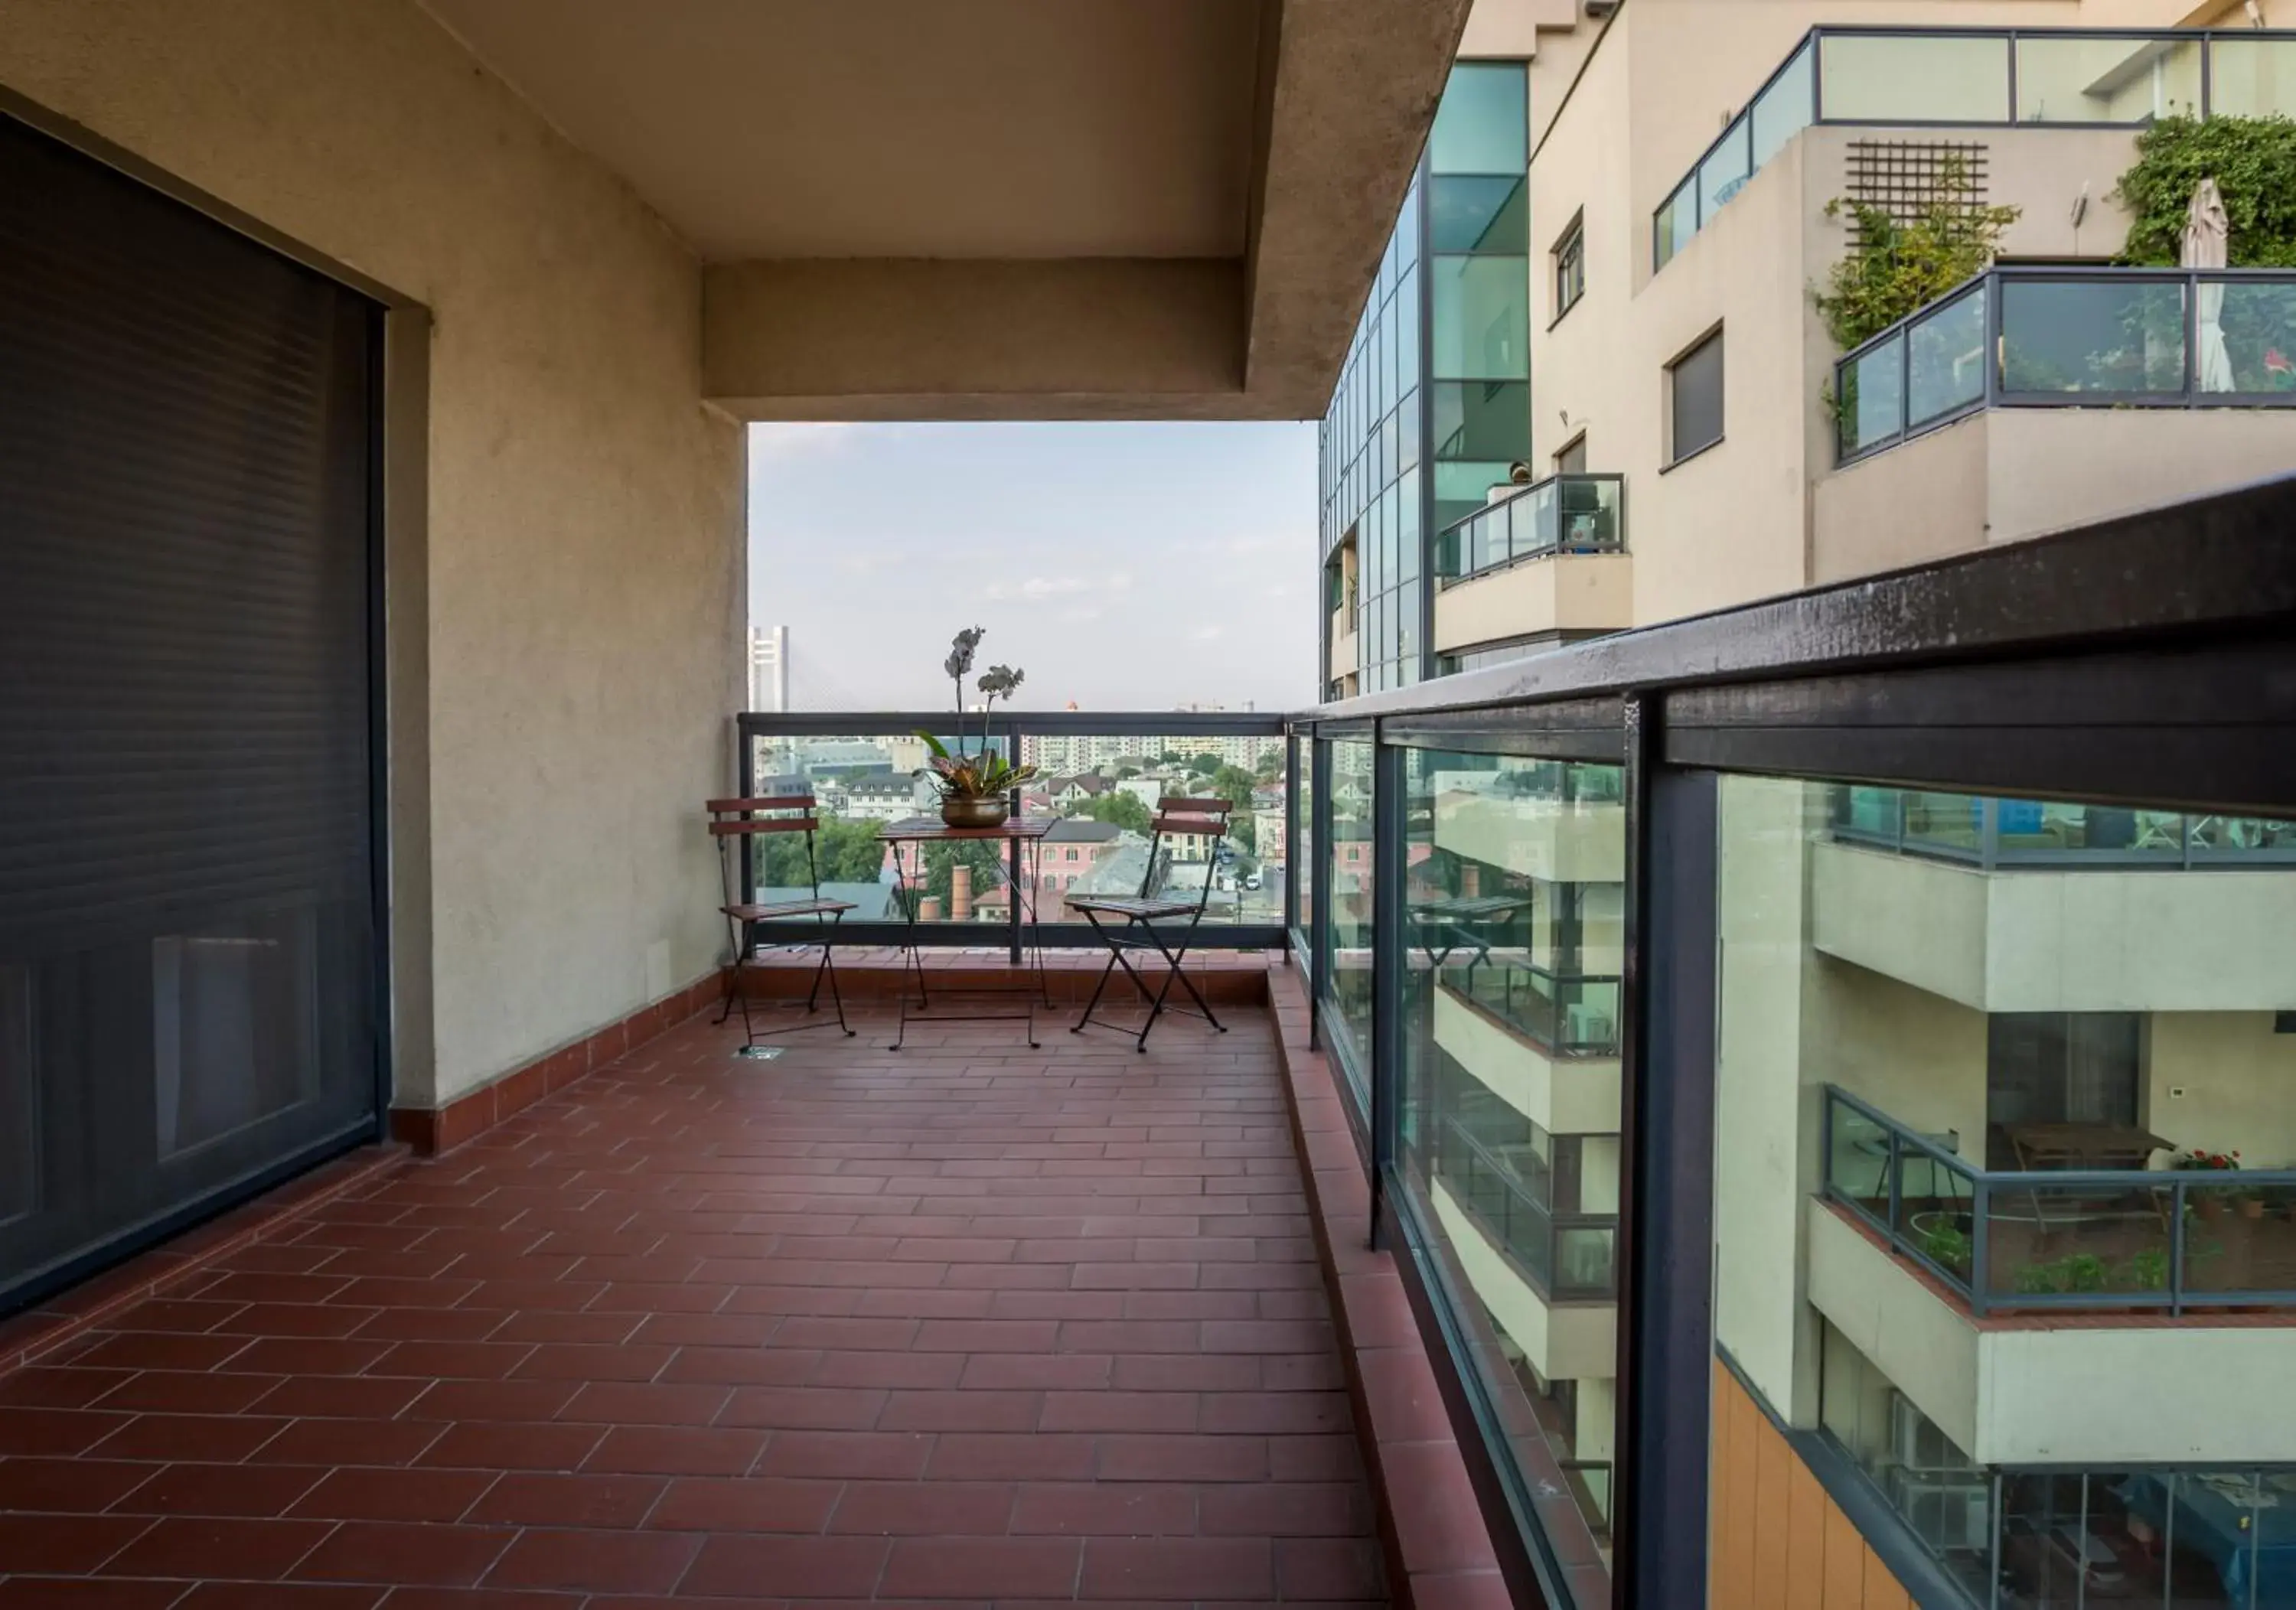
pixel 1126 567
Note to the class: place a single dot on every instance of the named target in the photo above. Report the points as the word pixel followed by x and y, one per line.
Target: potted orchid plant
pixel 975 787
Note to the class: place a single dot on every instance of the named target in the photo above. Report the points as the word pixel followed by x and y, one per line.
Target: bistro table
pixel 1017 834
pixel 2083 1146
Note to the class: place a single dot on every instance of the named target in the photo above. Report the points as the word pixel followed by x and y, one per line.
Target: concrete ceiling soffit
pixel 1345 111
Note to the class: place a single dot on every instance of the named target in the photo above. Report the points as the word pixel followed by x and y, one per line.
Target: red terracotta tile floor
pixel 963 1324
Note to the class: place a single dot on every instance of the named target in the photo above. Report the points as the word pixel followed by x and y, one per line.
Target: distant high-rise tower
pixel 769 668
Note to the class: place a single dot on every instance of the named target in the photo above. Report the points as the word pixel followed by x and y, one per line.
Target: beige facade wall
pixel 1563 1096
pixel 1620 114
pixel 584 513
pixel 2188 1392
pixel 1563 1341
pixel 2013 473
pixel 1567 592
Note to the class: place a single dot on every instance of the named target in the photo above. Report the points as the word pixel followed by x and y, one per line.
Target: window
pixel 1570 266
pixel 1572 459
pixel 1694 399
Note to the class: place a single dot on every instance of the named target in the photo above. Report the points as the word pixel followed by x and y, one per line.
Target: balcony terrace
pixel 964 1323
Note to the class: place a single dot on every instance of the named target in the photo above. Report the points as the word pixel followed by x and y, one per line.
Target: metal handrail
pixel 1455 537
pixel 1988 853
pixel 1974 1288
pixel 1552 1222
pixel 1812 45
pixel 1993 350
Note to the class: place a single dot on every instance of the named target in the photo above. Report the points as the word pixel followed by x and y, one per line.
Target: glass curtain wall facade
pixel 1433 401
pixel 1737 1125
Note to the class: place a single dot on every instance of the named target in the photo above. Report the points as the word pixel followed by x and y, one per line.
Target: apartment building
pixel 1976 1271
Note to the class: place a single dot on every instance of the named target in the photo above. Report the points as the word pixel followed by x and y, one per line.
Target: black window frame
pixel 1567 266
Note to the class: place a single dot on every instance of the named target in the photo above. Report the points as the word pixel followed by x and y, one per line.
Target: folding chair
pixel 734 822
pixel 1207 820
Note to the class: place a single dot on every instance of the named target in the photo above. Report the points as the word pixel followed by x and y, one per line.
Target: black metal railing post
pixel 1013 856
pixel 2177 1202
pixel 1388 962
pixel 1980 1237
pixel 1319 903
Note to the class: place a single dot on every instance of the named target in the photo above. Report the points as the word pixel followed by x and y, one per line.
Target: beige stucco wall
pixel 1563 1341
pixel 1763 1166
pixel 2013 473
pixel 2223 1082
pixel 1618 125
pixel 2191 1392
pixel 2078 941
pixel 586 547
pixel 1563 1096
pixel 1567 592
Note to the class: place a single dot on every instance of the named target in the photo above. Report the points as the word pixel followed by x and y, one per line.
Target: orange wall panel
pixel 1779 1541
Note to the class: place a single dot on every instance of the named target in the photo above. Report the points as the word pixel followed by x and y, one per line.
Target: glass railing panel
pixel 1786 106
pixel 1936 1207
pixel 2240 1239
pixel 1531 517
pixel 2251 78
pixel 1508 862
pixel 2245 336
pixel 2240 837
pixel 1945 358
pixel 2127 78
pixel 1912 78
pixel 1726 167
pixel 1946 825
pixel 1872 406
pixel 1585 1258
pixel 1348 867
pixel 2079 1242
pixel 1857 1165
pixel 1675 223
pixel 1587 514
pixel 2094 336
pixel 1870 815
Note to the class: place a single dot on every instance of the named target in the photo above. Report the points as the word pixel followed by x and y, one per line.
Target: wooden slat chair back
pixel 736 823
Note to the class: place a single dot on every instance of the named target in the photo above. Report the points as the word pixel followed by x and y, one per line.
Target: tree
pixel 2252 160
pixel 1270 766
pixel 846 851
pixel 1234 785
pixel 984 856
pixel 1122 809
pixel 1205 764
pixel 1170 757
pixel 1245 832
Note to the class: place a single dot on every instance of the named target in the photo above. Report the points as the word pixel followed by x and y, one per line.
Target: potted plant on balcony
pixel 2210 1203
pixel 976 787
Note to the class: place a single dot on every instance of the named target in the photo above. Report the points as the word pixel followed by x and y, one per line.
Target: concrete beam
pixel 1347 91
pixel 1352 92
pixel 880 339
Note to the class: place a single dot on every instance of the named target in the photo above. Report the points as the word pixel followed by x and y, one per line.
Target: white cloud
pixel 1053 587
pixel 1205 634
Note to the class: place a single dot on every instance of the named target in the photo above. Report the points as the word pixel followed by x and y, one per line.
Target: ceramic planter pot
pixel 989 813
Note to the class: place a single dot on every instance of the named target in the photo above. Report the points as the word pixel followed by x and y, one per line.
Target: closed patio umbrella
pixel 2208 244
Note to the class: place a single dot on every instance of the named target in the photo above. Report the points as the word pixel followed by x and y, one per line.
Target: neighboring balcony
pixel 1550 559
pixel 2013 906
pixel 2033 398
pixel 1967 78
pixel 1343 638
pixel 1916 1255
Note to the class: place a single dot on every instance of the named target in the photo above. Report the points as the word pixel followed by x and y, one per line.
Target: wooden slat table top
pixel 933 829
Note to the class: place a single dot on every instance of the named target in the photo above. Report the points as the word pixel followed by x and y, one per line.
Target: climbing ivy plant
pixel 1896 269
pixel 2253 162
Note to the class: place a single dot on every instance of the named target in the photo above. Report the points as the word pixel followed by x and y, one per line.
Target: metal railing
pixel 1099 771
pixel 1989 832
pixel 1565 1014
pixel 1562 514
pixel 2020 337
pixel 1972 77
pixel 1567 1258
pixel 2087 1239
